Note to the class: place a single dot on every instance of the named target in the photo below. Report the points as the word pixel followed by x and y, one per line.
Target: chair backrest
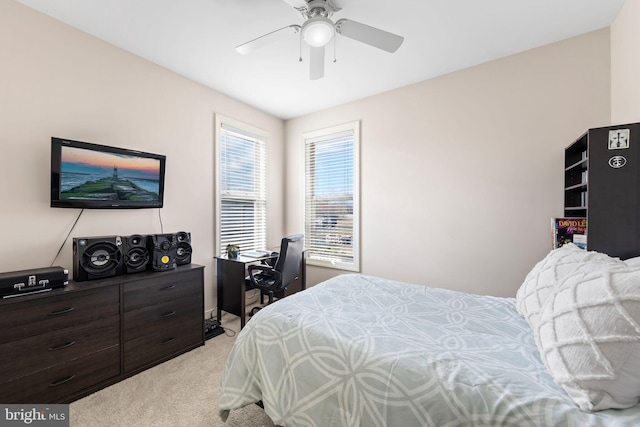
pixel 290 258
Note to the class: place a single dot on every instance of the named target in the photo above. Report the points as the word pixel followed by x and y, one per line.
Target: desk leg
pixel 243 315
pixel 231 288
pixel 219 288
pixel 303 270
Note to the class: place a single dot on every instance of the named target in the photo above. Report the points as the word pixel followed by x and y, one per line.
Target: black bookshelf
pixel 602 184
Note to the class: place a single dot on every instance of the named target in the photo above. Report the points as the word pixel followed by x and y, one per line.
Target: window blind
pixel 242 181
pixel 330 199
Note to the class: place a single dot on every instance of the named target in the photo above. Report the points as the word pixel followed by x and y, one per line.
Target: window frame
pixel 310 257
pixel 259 134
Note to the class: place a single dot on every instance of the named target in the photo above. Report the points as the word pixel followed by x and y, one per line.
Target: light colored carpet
pixel 180 392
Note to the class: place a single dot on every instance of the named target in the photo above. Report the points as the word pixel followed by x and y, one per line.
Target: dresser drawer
pixel 23 357
pixel 54 384
pixel 160 344
pixel 57 311
pixel 164 288
pixel 171 314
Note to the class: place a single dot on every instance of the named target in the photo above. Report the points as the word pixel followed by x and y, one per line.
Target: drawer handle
pixel 62 381
pixel 59 312
pixel 60 347
pixel 168 340
pixel 167 288
pixel 168 314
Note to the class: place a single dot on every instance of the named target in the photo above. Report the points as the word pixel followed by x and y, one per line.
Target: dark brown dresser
pixel 61 345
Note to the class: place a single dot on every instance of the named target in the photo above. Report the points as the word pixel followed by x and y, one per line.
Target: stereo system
pixel 108 256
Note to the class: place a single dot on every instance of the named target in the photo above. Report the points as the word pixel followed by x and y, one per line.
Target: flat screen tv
pixel 93 176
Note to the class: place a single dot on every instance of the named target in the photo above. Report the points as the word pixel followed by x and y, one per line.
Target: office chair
pixel 273 280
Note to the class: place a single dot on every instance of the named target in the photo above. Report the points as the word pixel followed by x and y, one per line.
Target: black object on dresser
pixel 163 250
pixel 135 253
pixel 107 256
pixel 183 248
pixel 602 184
pixel 18 283
pixel 96 257
pixel 62 345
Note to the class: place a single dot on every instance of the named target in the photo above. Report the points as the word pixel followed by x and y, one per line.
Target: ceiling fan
pixel 318 30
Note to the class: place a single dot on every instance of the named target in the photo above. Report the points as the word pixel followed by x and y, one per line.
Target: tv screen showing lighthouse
pixel 101 175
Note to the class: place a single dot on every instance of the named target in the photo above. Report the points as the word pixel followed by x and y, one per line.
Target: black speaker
pixel 162 251
pixel 135 253
pixel 97 257
pixel 183 251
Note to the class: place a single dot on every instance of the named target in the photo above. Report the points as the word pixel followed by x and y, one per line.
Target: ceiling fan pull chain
pixel 300 59
pixel 334 49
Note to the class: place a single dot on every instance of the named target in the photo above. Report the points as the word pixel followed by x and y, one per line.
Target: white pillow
pixel 589 336
pixel 545 276
pixel 633 262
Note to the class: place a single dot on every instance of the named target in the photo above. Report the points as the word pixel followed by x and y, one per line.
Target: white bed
pixel 365 351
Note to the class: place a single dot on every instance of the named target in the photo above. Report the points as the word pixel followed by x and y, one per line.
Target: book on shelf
pixel 569 230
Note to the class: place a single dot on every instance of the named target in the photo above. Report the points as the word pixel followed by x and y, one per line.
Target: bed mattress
pixel 365 351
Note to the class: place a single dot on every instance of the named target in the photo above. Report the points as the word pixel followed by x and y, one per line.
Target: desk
pixel 231 286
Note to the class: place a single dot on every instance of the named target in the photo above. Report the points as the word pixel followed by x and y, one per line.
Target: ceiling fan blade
pixel 370 35
pixel 261 41
pixel 297 4
pixel 317 62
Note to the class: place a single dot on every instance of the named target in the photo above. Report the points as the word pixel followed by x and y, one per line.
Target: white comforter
pixel 365 351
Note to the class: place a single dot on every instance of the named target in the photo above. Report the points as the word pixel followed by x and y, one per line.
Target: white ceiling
pixel 197 39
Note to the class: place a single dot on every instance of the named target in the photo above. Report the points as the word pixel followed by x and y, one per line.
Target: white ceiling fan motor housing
pixel 318 31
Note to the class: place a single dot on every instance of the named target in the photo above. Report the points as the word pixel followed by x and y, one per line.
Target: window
pixel 240 186
pixel 332 197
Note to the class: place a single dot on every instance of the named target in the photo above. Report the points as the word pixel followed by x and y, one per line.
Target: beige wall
pixel 625 65
pixel 461 174
pixel 58 81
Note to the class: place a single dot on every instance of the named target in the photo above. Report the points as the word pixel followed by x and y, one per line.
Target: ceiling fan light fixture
pixel 317 31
